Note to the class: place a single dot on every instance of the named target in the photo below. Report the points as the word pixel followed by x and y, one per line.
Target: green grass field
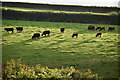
pixel 60 49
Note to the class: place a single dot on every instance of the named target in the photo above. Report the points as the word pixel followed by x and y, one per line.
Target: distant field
pixel 60 49
pixel 56 11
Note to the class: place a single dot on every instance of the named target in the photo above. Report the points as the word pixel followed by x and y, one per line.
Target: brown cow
pixel 36 35
pixel 98 34
pixel 91 27
pixel 9 29
pixel 111 28
pixel 75 34
pixel 19 29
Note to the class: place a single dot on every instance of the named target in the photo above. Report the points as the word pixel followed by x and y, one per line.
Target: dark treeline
pixel 61 7
pixel 59 17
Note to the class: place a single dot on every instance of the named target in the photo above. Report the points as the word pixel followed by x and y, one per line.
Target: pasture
pixel 60 49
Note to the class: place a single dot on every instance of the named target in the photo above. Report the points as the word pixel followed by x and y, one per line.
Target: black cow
pixel 111 28
pixel 91 27
pixel 36 35
pixel 98 28
pixel 102 28
pixel 62 30
pixel 9 29
pixel 98 34
pixel 46 32
pixel 19 29
pixel 75 34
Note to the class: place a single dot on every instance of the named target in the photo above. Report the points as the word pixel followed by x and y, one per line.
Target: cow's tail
pixel 72 36
pixel 42 34
pixel 96 35
pixel 13 31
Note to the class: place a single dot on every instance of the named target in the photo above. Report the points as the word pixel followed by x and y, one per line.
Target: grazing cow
pixel 9 29
pixel 111 28
pixel 91 27
pixel 102 28
pixel 75 34
pixel 46 32
pixel 98 34
pixel 62 30
pixel 98 28
pixel 19 29
pixel 36 35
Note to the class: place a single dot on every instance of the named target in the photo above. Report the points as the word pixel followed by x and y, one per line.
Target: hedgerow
pixel 111 18
pixel 16 69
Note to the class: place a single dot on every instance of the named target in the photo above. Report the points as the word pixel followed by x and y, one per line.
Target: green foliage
pixel 16 69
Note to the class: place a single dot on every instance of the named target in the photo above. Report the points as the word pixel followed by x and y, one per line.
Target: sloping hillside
pixel 61 7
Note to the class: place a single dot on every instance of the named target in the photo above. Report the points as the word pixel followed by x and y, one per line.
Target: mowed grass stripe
pixel 57 11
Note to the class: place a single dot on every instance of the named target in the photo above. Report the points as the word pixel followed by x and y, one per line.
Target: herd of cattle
pixel 91 27
pixel 47 32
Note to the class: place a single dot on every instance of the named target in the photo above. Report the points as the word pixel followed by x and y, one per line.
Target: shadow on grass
pixel 7 33
pixel 86 41
pixel 30 40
